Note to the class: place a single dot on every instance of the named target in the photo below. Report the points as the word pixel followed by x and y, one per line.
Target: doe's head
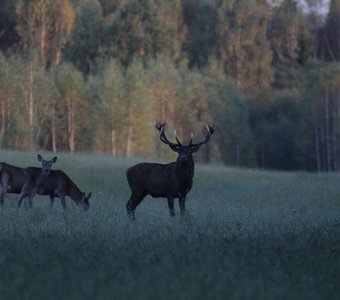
pixel 84 201
pixel 46 164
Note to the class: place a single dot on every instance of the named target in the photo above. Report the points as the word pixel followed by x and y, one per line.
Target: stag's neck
pixel 185 169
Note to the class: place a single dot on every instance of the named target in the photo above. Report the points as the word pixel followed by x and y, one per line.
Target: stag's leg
pixel 4 188
pixel 22 195
pixel 30 197
pixel 171 206
pixel 26 203
pixel 51 201
pixel 182 205
pixel 62 201
pixel 136 198
pixel 1 200
pixel 129 208
pixel 29 202
pixel 2 196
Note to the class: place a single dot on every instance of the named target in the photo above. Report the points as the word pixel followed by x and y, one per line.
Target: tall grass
pixel 249 235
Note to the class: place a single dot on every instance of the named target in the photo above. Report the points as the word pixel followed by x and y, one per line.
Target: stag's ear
pixel 89 196
pixel 40 157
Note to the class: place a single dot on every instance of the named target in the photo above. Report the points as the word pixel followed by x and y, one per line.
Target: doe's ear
pixel 54 159
pixel 88 196
pixel 40 157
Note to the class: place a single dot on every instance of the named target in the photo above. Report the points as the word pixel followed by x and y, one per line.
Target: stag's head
pixel 46 164
pixel 184 151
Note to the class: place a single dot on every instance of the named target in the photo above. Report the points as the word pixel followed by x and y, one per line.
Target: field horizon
pixel 249 234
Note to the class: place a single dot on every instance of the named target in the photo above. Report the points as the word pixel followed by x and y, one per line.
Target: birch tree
pixel 110 89
pixel 45 26
pixel 71 108
pixel 243 46
pixel 140 122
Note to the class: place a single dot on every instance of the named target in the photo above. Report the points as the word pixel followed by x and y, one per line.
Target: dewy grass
pixel 249 235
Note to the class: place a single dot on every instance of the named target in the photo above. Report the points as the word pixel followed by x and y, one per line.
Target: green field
pixel 249 235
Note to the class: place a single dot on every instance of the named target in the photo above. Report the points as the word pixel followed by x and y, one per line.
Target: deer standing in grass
pixel 58 184
pixel 15 179
pixel 173 180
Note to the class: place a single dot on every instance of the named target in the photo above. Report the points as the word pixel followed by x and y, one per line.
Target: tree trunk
pixel 71 130
pixel 41 123
pixel 334 135
pixel 54 139
pixel 113 141
pixel 43 35
pixel 323 149
pixel 337 100
pixel 328 135
pixel 317 149
pixel 238 59
pixel 4 116
pixel 238 155
pixel 129 144
pixel 60 46
pixel 30 97
pixel 129 138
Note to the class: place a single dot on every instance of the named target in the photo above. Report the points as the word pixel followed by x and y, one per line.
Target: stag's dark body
pixel 173 180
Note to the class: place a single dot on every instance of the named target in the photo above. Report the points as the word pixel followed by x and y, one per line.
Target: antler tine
pixel 159 126
pixel 177 140
pixel 162 135
pixel 191 138
pixel 210 130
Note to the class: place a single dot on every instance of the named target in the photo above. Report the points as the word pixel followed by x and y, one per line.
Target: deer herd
pixel 171 181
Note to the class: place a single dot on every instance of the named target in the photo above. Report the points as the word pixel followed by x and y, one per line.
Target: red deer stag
pixel 173 180
pixel 14 179
pixel 57 184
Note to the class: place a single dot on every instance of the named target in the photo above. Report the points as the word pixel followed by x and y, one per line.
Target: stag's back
pixel 158 180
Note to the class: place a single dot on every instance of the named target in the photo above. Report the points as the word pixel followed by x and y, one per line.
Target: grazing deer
pixel 15 179
pixel 173 180
pixel 57 184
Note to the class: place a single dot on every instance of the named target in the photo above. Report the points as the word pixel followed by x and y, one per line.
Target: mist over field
pixel 249 234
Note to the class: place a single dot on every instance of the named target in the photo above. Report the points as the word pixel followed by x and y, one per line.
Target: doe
pixel 15 179
pixel 58 184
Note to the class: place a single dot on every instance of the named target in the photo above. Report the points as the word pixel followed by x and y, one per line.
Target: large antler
pixel 164 139
pixel 210 130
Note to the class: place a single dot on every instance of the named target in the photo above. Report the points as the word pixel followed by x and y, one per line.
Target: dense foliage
pixel 94 75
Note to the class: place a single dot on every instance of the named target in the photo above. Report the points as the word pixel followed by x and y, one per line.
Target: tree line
pixel 95 75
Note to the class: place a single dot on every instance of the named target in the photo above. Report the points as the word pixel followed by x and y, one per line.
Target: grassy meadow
pixel 249 234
